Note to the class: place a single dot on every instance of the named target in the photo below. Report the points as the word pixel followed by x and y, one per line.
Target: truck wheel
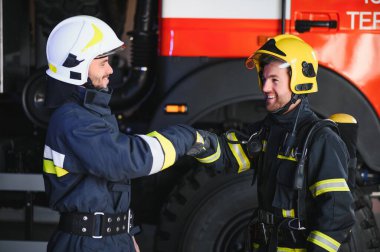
pixel 208 211
pixel 365 233
pixel 33 99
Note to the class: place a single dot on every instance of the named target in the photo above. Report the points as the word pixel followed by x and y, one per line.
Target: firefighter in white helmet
pixel 75 43
pixel 300 209
pixel 88 162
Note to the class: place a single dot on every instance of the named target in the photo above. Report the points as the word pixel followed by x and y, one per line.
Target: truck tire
pixel 208 211
pixel 365 233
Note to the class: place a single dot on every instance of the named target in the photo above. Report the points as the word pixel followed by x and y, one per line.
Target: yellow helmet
pixel 298 54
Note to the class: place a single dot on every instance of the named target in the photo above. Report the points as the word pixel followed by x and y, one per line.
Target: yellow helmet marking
pixel 52 68
pixel 98 36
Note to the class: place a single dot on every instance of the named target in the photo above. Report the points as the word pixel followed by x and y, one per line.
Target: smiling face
pixel 276 88
pixel 99 72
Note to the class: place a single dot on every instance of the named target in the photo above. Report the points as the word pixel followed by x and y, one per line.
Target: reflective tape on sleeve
pixel 50 168
pixel 329 185
pixel 323 241
pixel 264 142
pixel 237 151
pixel 157 153
pixel 211 158
pixel 168 148
pixel 53 162
pixel 284 249
pixel 57 157
pixel 288 213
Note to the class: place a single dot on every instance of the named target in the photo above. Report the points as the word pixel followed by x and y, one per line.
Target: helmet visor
pixel 258 60
pixel 113 51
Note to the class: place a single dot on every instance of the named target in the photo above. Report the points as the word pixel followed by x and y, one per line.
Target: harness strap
pixel 300 180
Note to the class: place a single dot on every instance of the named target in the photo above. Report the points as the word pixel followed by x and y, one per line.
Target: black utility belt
pixel 95 225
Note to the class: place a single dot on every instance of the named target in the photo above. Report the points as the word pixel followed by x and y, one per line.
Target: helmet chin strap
pixel 285 108
pixel 290 137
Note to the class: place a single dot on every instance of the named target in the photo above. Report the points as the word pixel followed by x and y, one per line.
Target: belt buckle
pixel 298 224
pixel 98 236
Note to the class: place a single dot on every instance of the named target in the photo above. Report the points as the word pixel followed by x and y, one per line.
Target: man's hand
pixel 202 143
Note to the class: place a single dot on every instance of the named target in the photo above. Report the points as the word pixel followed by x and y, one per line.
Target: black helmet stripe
pixel 71 61
pixel 271 46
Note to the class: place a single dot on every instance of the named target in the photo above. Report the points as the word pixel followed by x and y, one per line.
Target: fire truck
pixel 185 64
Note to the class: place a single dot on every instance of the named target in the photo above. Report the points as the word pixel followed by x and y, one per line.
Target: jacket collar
pixel 96 100
pixel 287 120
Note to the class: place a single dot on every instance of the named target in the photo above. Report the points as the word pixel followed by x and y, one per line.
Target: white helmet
pixel 74 43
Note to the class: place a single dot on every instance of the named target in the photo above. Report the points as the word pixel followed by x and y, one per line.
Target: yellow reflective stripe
pixel 256 245
pixel 288 213
pixel 264 142
pixel 291 157
pixel 50 168
pixel 283 249
pixel 329 185
pixel 211 158
pixel 52 68
pixel 98 36
pixel 167 146
pixel 287 158
pixel 237 151
pixel 323 241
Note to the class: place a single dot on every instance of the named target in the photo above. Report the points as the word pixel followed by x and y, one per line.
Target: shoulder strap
pixel 299 180
pixel 301 173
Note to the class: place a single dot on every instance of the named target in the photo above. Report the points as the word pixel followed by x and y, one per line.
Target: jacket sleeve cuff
pixel 318 241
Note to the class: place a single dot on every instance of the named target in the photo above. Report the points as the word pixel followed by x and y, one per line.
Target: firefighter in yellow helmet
pixel 88 162
pixel 292 55
pixel 300 209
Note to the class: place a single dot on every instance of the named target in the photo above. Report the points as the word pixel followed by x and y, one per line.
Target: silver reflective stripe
pixel 329 185
pixel 157 153
pixel 58 158
pixel 323 241
pixel 48 152
pixel 53 162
